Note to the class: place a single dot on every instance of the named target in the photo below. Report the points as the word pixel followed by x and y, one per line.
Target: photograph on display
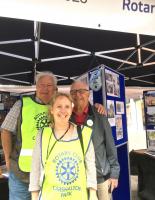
pixel 111 112
pixel 116 85
pixel 119 107
pixel 110 88
pixel 108 75
pixel 112 83
pixel 150 115
pixel 151 139
pixel 149 98
pixel 119 127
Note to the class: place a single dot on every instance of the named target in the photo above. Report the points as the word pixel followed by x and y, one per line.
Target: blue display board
pixel 108 88
pixel 123 190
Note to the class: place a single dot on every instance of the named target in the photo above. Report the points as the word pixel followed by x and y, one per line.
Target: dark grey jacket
pixel 105 150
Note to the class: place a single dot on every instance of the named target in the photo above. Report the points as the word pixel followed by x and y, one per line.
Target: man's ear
pixel 56 89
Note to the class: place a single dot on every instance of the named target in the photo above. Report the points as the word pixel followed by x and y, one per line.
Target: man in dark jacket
pixel 105 151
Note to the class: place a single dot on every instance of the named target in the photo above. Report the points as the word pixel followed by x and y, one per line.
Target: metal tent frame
pixel 123 65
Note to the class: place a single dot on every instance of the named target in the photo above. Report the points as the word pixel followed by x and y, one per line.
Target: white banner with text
pixel 134 16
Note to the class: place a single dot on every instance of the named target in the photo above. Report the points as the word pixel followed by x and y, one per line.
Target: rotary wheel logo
pixel 67 170
pixel 95 80
pixel 42 121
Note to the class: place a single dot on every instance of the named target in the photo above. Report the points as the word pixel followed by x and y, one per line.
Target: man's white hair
pixel 46 73
pixel 79 81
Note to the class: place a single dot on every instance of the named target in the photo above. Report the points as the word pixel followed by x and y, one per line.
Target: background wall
pixel 136 124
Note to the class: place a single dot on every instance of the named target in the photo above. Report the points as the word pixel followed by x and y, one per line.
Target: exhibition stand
pixel 107 87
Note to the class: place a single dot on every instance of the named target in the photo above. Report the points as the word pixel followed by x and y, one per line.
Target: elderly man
pixel 105 151
pixel 19 130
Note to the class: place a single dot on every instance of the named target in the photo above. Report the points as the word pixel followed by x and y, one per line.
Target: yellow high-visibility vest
pixel 34 117
pixel 64 168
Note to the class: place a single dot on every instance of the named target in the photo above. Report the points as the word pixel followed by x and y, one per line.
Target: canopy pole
pixel 139 49
pixel 37 29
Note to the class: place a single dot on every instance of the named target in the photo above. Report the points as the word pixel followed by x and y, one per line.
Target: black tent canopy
pixel 28 47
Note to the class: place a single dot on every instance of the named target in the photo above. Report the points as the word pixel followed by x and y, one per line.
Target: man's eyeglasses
pixel 80 91
pixel 46 86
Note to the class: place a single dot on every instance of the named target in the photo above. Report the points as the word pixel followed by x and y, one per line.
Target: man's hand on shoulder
pixel 100 109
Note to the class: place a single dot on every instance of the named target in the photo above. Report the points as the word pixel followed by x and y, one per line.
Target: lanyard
pixel 57 140
pixel 80 137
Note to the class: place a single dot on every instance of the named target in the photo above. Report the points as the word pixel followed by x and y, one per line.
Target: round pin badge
pixel 89 122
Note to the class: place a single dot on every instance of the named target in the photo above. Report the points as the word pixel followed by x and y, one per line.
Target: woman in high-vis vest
pixel 63 162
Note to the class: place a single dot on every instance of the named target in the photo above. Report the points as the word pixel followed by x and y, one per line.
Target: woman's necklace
pixel 49 151
pixel 54 131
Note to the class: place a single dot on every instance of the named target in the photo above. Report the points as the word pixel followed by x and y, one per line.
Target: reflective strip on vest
pixel 26 152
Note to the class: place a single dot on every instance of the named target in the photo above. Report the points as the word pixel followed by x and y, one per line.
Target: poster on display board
pixel 149 112
pixel 149 109
pixel 119 127
pixel 111 112
pixel 112 83
pixel 119 107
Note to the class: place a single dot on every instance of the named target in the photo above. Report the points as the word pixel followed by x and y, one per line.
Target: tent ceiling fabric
pixel 28 47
